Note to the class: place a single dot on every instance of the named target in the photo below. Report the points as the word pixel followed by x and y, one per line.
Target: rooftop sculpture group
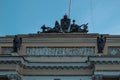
pixel 65 27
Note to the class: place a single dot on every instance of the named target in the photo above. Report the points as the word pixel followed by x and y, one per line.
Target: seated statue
pixel 65 23
pixel 46 29
pixel 49 29
pixel 57 27
pixel 43 28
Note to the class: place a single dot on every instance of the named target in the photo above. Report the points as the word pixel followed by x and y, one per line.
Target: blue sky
pixel 27 16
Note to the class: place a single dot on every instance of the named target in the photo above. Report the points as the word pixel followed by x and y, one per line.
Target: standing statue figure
pixel 20 43
pixel 74 27
pixel 101 43
pixel 17 43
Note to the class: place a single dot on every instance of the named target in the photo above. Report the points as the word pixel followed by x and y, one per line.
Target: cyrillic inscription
pixel 61 51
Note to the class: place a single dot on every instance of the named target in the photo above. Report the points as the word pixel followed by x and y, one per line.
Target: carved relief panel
pixel 7 50
pixel 114 51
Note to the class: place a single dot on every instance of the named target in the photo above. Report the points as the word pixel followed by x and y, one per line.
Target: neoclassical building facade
pixel 52 55
pixel 58 56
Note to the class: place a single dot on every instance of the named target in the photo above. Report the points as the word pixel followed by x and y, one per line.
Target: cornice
pixel 105 60
pixel 35 67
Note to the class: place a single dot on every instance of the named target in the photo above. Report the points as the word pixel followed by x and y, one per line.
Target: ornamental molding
pixel 56 67
pixel 105 60
pixel 25 66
